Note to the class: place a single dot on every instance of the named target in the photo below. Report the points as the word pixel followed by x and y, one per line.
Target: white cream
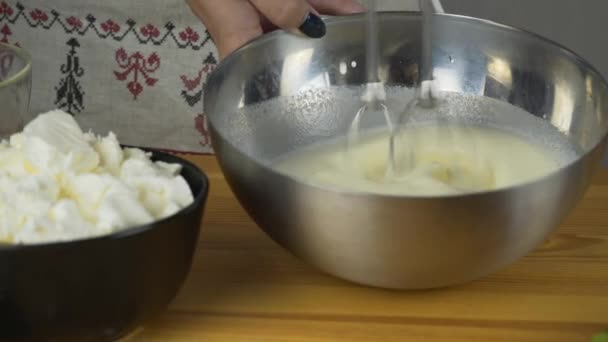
pixel 58 183
pixel 435 161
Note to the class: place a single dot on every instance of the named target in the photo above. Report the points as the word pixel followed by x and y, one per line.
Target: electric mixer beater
pixel 374 95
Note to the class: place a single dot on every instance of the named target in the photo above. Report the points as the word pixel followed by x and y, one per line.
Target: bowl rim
pixel 460 18
pixel 24 72
pixel 130 231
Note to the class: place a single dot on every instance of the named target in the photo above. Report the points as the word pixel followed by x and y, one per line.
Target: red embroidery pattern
pixel 36 17
pixel 137 66
pixel 6 32
pixel 108 29
pixel 74 22
pixel 201 126
pixel 192 84
pixel 39 16
pixel 109 26
pixel 193 93
pixel 5 9
pixel 189 35
pixel 194 87
pixel 149 31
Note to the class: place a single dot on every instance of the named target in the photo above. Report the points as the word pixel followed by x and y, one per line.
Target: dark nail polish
pixel 313 26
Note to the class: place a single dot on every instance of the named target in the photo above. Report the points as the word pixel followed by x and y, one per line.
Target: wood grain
pixel 243 287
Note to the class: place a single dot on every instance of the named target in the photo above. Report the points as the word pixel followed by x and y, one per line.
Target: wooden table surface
pixel 244 287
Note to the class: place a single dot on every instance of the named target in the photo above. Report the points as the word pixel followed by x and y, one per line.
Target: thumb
pixel 292 14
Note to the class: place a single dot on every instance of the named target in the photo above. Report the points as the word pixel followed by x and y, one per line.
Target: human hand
pixel 232 23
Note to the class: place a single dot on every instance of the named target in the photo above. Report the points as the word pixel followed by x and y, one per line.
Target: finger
pixel 292 14
pixel 337 7
pixel 231 23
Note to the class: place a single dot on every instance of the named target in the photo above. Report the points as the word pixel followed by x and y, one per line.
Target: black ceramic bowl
pixel 102 288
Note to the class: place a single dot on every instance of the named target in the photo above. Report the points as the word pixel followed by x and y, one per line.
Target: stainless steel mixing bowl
pixel 388 241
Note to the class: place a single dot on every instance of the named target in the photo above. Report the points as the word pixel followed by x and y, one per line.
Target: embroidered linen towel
pixel 135 67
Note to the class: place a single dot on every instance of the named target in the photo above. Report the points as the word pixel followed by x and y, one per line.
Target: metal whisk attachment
pixel 373 99
pixel 426 97
pixel 374 96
